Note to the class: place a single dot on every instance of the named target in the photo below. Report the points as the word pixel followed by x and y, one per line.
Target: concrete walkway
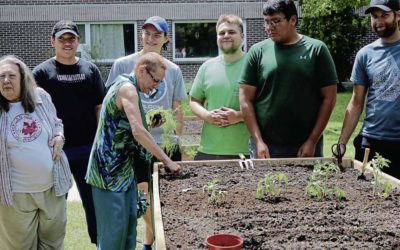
pixel 73 194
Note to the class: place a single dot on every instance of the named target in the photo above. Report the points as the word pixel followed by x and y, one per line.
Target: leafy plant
pixel 379 185
pixel 271 186
pixel 190 151
pixel 338 24
pixel 215 196
pixel 387 190
pixel 318 187
pixel 339 193
pixel 168 117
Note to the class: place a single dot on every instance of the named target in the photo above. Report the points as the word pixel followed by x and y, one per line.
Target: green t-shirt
pixel 216 84
pixel 288 79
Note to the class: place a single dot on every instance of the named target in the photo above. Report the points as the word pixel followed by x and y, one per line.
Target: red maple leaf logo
pixel 29 129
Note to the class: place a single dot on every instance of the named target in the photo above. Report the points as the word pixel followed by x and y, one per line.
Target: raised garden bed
pixel 184 216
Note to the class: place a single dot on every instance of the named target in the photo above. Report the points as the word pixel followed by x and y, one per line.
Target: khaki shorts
pixel 34 221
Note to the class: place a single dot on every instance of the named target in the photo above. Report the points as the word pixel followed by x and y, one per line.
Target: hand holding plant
pixel 166 119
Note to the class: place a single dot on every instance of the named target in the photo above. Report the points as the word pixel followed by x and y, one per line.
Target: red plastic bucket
pixel 224 242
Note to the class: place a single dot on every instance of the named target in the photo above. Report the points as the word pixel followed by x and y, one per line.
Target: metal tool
pixel 364 165
pixel 245 163
pixel 338 150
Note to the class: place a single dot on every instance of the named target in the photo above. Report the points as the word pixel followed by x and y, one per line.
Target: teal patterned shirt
pixel 114 149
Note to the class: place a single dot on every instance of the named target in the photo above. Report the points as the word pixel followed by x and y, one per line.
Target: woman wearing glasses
pixel 121 138
pixel 168 96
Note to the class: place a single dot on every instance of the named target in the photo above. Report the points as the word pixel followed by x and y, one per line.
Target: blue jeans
pixel 286 151
pixel 116 216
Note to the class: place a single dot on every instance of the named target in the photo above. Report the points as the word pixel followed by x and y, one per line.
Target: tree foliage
pixel 337 23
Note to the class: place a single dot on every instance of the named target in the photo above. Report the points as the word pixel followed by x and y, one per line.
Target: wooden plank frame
pixel 159 242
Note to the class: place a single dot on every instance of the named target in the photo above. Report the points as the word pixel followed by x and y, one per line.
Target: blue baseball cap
pixel 385 5
pixel 158 22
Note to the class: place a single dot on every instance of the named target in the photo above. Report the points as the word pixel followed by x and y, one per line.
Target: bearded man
pixel 376 74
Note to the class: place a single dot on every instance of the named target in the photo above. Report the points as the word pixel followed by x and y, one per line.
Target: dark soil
pixel 295 221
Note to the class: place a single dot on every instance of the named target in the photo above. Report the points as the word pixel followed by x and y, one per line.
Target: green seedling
pixel 380 187
pixel 215 196
pixel 387 190
pixel 167 116
pixel 314 189
pixel 317 187
pixel 271 186
pixel 260 189
pixel 339 193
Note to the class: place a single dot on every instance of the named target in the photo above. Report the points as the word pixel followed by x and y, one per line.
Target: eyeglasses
pixel 152 77
pixel 274 22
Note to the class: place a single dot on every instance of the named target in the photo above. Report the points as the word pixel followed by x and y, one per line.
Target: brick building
pixel 111 28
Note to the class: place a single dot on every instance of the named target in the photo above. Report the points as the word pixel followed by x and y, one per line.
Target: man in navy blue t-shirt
pixel 77 90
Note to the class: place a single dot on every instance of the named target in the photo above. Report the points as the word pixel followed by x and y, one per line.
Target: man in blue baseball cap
pixel 168 96
pixel 376 79
pixel 158 22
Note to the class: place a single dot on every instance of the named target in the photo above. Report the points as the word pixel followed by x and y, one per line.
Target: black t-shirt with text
pixel 76 90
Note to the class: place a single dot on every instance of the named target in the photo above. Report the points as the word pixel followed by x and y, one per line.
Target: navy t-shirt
pixel 76 90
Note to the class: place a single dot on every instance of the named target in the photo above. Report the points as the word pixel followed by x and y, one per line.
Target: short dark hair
pixel 28 85
pixel 287 7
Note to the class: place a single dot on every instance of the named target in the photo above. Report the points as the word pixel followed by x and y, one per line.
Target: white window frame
pixel 200 59
pixel 83 47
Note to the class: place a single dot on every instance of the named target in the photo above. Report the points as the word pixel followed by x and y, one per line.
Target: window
pixel 194 41
pixel 105 42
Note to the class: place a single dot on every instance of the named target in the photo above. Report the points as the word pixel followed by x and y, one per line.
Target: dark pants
pixel 287 151
pixel 78 158
pixel 209 157
pixel 388 149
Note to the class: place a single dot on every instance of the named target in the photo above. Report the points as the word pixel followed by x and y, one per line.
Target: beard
pixel 232 49
pixel 389 30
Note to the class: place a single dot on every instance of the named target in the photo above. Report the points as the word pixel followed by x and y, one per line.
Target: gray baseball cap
pixel 65 26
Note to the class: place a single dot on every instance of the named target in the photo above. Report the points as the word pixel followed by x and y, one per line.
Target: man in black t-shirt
pixel 77 90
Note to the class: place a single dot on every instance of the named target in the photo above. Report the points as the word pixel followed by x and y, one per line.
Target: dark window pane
pixel 194 40
pixel 129 38
pixel 82 37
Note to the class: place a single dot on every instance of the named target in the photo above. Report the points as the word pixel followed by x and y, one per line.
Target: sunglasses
pixel 152 77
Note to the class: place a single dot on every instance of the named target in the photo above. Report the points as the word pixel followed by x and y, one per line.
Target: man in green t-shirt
pixel 287 88
pixel 214 96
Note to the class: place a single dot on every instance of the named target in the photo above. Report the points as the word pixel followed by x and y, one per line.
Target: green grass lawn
pixel 332 131
pixel 77 237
